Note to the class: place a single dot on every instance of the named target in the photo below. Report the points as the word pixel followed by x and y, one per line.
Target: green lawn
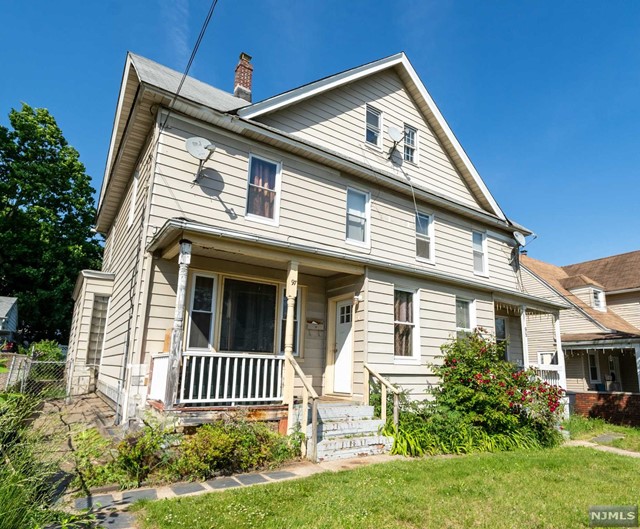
pixel 519 490
pixel 3 367
pixel 586 429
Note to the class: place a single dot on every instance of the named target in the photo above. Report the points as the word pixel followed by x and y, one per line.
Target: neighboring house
pixel 8 319
pixel 317 236
pixel 600 333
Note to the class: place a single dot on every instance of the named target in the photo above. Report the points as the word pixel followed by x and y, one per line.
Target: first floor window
pixel 248 317
pixel 403 323
pixel 479 252
pixel 594 369
pixel 424 237
pixel 357 216
pixel 464 316
pixel 501 334
pixel 262 196
pixel 202 313
pixel 296 323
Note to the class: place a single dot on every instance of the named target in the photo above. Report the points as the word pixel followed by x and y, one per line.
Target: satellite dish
pixel 395 134
pixel 199 148
pixel 519 238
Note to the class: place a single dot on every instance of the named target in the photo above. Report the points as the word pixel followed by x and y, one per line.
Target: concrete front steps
pixel 345 430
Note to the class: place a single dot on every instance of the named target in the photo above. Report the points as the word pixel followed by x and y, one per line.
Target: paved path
pixel 603 448
pixel 111 507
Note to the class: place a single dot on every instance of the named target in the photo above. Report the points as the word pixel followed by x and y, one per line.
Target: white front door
pixel 343 362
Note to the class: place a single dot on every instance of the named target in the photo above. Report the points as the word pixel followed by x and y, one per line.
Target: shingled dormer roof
pixel 618 272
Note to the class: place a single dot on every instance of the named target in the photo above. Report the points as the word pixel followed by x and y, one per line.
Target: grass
pixel 586 429
pixel 509 490
pixel 3 367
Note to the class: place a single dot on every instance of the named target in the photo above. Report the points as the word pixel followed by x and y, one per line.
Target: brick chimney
pixel 244 73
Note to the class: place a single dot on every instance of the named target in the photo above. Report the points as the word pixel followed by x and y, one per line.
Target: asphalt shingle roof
pixel 5 305
pixel 618 272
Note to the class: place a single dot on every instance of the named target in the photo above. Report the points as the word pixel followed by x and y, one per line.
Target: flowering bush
pixel 482 403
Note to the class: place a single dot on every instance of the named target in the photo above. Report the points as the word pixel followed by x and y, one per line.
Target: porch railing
pixel 307 393
pixel 548 373
pixel 230 379
pixel 384 386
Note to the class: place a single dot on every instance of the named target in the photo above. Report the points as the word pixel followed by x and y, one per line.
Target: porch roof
pixel 235 243
pixel 598 340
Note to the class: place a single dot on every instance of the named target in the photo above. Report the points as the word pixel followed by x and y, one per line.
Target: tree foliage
pixel 46 214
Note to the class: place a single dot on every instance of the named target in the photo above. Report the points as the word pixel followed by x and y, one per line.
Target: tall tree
pixel 46 213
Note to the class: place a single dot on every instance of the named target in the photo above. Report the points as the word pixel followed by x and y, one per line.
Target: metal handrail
pixel 308 392
pixel 384 385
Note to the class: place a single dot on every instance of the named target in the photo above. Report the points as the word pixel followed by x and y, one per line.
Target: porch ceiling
pixel 255 254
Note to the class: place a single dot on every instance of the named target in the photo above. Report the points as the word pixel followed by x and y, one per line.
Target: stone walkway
pixel 604 448
pixel 111 508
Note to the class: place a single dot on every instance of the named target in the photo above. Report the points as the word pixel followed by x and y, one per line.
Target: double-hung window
pixel 202 313
pixel 410 144
pixel 594 368
pixel 598 299
pixel 479 241
pixel 424 237
pixel 465 317
pixel 357 219
pixel 405 329
pixel 373 126
pixel 263 193
pixel 501 334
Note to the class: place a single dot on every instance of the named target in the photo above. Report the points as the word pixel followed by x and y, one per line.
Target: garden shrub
pixel 223 447
pixel 483 403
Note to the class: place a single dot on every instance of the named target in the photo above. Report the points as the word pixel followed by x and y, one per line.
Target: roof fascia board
pixel 571 303
pixel 123 89
pixel 329 83
pixel 622 291
pixel 289 98
pixel 173 227
pixel 613 343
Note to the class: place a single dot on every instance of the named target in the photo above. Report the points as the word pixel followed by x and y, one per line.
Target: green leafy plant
pixel 47 350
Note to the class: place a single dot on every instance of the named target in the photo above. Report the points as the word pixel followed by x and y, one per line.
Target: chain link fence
pixel 41 378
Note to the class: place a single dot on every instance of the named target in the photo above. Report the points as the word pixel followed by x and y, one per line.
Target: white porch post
pixel 561 365
pixel 637 350
pixel 288 376
pixel 175 352
pixel 525 340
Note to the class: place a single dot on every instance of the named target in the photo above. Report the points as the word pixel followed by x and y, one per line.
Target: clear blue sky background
pixel 543 95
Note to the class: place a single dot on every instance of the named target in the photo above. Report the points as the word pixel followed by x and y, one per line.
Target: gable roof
pixel 6 304
pixel 556 276
pixel 400 63
pixel 617 272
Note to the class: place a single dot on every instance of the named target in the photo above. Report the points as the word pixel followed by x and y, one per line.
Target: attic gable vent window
pixel 410 144
pixel 374 126
pixel 598 299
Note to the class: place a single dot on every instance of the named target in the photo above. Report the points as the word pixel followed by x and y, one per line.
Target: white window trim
pixel 416 150
pixel 134 199
pixel 431 234
pixel 603 304
pixel 485 258
pixel 214 315
pixel 541 354
pixel 275 221
pixel 415 335
pixel 377 146
pixel 595 358
pixel 367 231
pixel 283 315
pixel 472 314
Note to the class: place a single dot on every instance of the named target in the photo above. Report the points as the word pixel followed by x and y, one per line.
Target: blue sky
pixel 544 96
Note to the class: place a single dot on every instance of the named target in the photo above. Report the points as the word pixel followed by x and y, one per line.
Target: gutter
pixel 175 226
pixel 617 342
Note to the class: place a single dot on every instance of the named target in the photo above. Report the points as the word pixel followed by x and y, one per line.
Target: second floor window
pixel 373 126
pixel 357 216
pixel 424 237
pixel 410 144
pixel 264 188
pixel 479 252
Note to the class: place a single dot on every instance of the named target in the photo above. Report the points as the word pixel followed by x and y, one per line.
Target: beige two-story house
pixel 261 253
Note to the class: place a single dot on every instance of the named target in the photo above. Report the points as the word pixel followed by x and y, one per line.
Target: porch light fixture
pixel 358 298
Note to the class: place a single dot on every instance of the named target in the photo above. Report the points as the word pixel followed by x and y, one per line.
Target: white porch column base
pixel 288 375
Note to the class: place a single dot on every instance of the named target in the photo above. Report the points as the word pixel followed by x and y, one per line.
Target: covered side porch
pixel 254 327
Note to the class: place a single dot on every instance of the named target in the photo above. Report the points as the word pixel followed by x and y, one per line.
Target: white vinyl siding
pixel 357 217
pixel 410 144
pixel 425 243
pixel 479 243
pixel 263 190
pixel 373 126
